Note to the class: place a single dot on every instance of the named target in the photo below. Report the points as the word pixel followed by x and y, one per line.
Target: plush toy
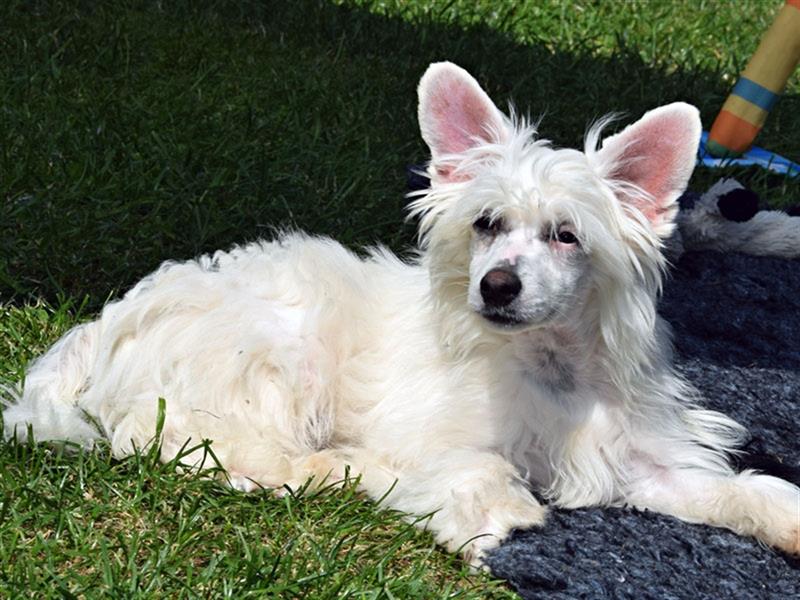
pixel 726 219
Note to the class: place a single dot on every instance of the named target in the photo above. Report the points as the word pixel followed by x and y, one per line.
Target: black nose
pixel 499 287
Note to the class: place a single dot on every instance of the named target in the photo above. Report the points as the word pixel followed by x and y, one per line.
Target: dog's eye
pixel 485 224
pixel 566 237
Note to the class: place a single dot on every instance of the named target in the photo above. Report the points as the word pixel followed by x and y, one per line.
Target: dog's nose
pixel 499 287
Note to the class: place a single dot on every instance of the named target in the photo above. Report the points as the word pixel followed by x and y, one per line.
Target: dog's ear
pixel 455 115
pixel 656 155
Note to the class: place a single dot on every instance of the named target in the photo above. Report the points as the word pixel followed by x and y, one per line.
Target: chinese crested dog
pixel 522 348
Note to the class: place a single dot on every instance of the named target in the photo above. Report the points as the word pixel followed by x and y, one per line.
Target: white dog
pixel 522 347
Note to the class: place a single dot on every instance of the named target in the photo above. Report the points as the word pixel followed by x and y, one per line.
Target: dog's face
pixel 525 269
pixel 531 232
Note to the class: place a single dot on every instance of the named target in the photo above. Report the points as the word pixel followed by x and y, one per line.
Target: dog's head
pixel 526 235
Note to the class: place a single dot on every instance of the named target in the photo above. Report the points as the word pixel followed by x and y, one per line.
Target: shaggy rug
pixel 736 321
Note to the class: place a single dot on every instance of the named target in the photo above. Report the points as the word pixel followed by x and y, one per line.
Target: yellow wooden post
pixel 759 86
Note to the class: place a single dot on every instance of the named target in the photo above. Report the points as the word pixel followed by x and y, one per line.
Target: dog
pixel 520 348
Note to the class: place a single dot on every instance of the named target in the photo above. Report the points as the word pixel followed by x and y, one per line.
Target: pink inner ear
pixel 657 156
pixel 459 113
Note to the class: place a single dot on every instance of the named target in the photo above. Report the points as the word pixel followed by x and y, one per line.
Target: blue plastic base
pixel 755 156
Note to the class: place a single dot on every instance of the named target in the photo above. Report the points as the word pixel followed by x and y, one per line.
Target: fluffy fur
pixel 521 348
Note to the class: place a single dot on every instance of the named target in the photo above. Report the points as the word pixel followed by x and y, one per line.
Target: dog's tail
pixel 49 403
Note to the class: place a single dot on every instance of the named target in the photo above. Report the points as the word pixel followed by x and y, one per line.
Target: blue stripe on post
pixel 756 94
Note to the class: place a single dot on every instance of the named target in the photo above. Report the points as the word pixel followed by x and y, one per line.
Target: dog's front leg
pixel 748 503
pixel 471 499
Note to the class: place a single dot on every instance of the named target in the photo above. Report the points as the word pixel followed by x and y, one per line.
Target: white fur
pixel 297 357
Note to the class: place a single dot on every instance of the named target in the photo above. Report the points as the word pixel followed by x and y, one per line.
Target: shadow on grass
pixel 134 133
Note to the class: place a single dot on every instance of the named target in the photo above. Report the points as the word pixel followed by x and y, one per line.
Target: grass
pixel 135 131
pixel 85 525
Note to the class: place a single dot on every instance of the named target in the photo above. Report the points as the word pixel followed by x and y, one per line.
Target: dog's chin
pixel 513 322
pixel 505 322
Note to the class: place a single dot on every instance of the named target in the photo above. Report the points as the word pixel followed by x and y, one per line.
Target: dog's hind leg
pixel 748 503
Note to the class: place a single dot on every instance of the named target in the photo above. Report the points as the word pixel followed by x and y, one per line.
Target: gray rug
pixel 737 334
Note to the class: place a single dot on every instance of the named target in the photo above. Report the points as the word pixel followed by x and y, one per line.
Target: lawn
pixel 134 131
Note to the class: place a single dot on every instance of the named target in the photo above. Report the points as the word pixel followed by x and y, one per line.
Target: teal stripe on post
pixel 757 94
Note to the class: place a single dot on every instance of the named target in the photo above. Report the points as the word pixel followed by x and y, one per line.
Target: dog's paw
pixel 321 469
pixel 242 483
pixel 789 543
pixel 497 524
pixel 474 552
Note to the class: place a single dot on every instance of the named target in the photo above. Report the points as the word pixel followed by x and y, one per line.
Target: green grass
pixel 136 131
pixel 85 525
